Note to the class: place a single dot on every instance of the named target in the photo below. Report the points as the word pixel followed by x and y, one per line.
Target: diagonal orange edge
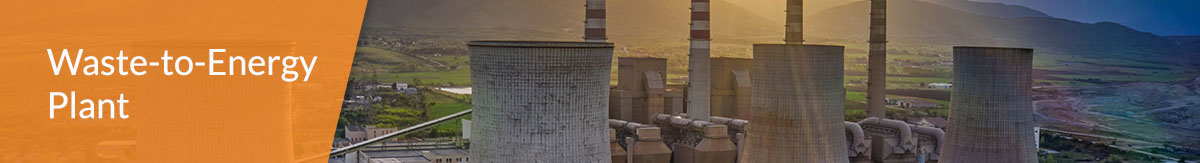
pixel 194 118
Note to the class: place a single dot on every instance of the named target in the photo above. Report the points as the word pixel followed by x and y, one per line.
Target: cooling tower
pixel 991 113
pixel 540 101
pixel 797 105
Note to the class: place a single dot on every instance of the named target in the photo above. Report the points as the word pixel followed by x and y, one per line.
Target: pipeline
pixel 738 124
pixel 906 142
pixel 401 132
pixel 857 140
pixel 937 134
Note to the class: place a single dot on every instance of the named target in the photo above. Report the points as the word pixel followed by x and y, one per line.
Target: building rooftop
pixel 355 128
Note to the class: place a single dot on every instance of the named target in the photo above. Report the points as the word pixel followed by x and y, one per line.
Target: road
pixel 1126 148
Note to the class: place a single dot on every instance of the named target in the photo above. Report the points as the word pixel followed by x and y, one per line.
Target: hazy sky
pixel 1161 17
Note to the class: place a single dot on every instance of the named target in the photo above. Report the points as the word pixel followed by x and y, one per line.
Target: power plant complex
pixel 552 102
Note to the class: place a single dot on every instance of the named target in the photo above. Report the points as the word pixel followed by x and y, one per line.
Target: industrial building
pixel 540 101
pixel 991 112
pixel 641 89
pixel 362 133
pixel 731 87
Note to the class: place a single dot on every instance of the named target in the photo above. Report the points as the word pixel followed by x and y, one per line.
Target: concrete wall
pixel 726 99
pixel 540 101
pixel 644 100
pixel 991 116
pixel 797 106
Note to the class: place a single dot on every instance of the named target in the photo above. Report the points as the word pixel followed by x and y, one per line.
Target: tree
pixel 1113 158
pixel 397 117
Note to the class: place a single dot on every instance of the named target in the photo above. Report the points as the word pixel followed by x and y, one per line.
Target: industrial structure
pixel 697 141
pixel 642 143
pixel 891 140
pixel 698 89
pixel 641 89
pixel 991 116
pixel 551 102
pixel 731 87
pixel 877 60
pixel 794 27
pixel 540 101
pixel 797 109
pixel 594 21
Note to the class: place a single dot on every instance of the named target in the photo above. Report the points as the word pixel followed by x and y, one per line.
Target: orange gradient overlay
pixel 192 118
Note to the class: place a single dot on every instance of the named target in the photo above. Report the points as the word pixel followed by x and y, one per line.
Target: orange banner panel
pixel 256 116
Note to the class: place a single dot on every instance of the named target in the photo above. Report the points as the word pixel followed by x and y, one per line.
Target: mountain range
pixel 936 22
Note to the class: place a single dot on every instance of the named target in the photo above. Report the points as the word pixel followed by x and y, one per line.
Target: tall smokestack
pixel 794 29
pixel 877 60
pixel 991 116
pixel 698 63
pixel 593 29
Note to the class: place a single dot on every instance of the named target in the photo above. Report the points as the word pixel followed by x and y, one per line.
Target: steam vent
pixel 540 101
pixel 991 117
pixel 797 105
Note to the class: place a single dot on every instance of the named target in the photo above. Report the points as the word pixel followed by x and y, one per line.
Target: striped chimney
pixel 699 86
pixel 794 29
pixel 594 24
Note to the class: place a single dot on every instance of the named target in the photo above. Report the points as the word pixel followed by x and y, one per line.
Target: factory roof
pixel 355 128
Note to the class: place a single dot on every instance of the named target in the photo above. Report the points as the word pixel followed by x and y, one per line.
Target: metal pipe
pixel 682 122
pixel 905 137
pixel 738 124
pixel 858 141
pixel 625 125
pixel 401 132
pixel 937 134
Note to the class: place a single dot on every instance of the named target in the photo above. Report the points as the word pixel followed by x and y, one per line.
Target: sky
pixel 1161 17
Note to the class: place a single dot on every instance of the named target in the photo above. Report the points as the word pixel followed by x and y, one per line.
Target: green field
pixel 388 66
pixel 456 77
pixel 442 104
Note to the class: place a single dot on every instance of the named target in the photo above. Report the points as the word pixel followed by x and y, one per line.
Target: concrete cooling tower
pixel 540 101
pixel 991 116
pixel 797 105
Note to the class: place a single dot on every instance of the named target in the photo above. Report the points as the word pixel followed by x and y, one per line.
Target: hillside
pixel 774 9
pixel 1189 46
pixel 1070 48
pixel 920 21
pixel 922 28
pixel 627 19
pixel 991 9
